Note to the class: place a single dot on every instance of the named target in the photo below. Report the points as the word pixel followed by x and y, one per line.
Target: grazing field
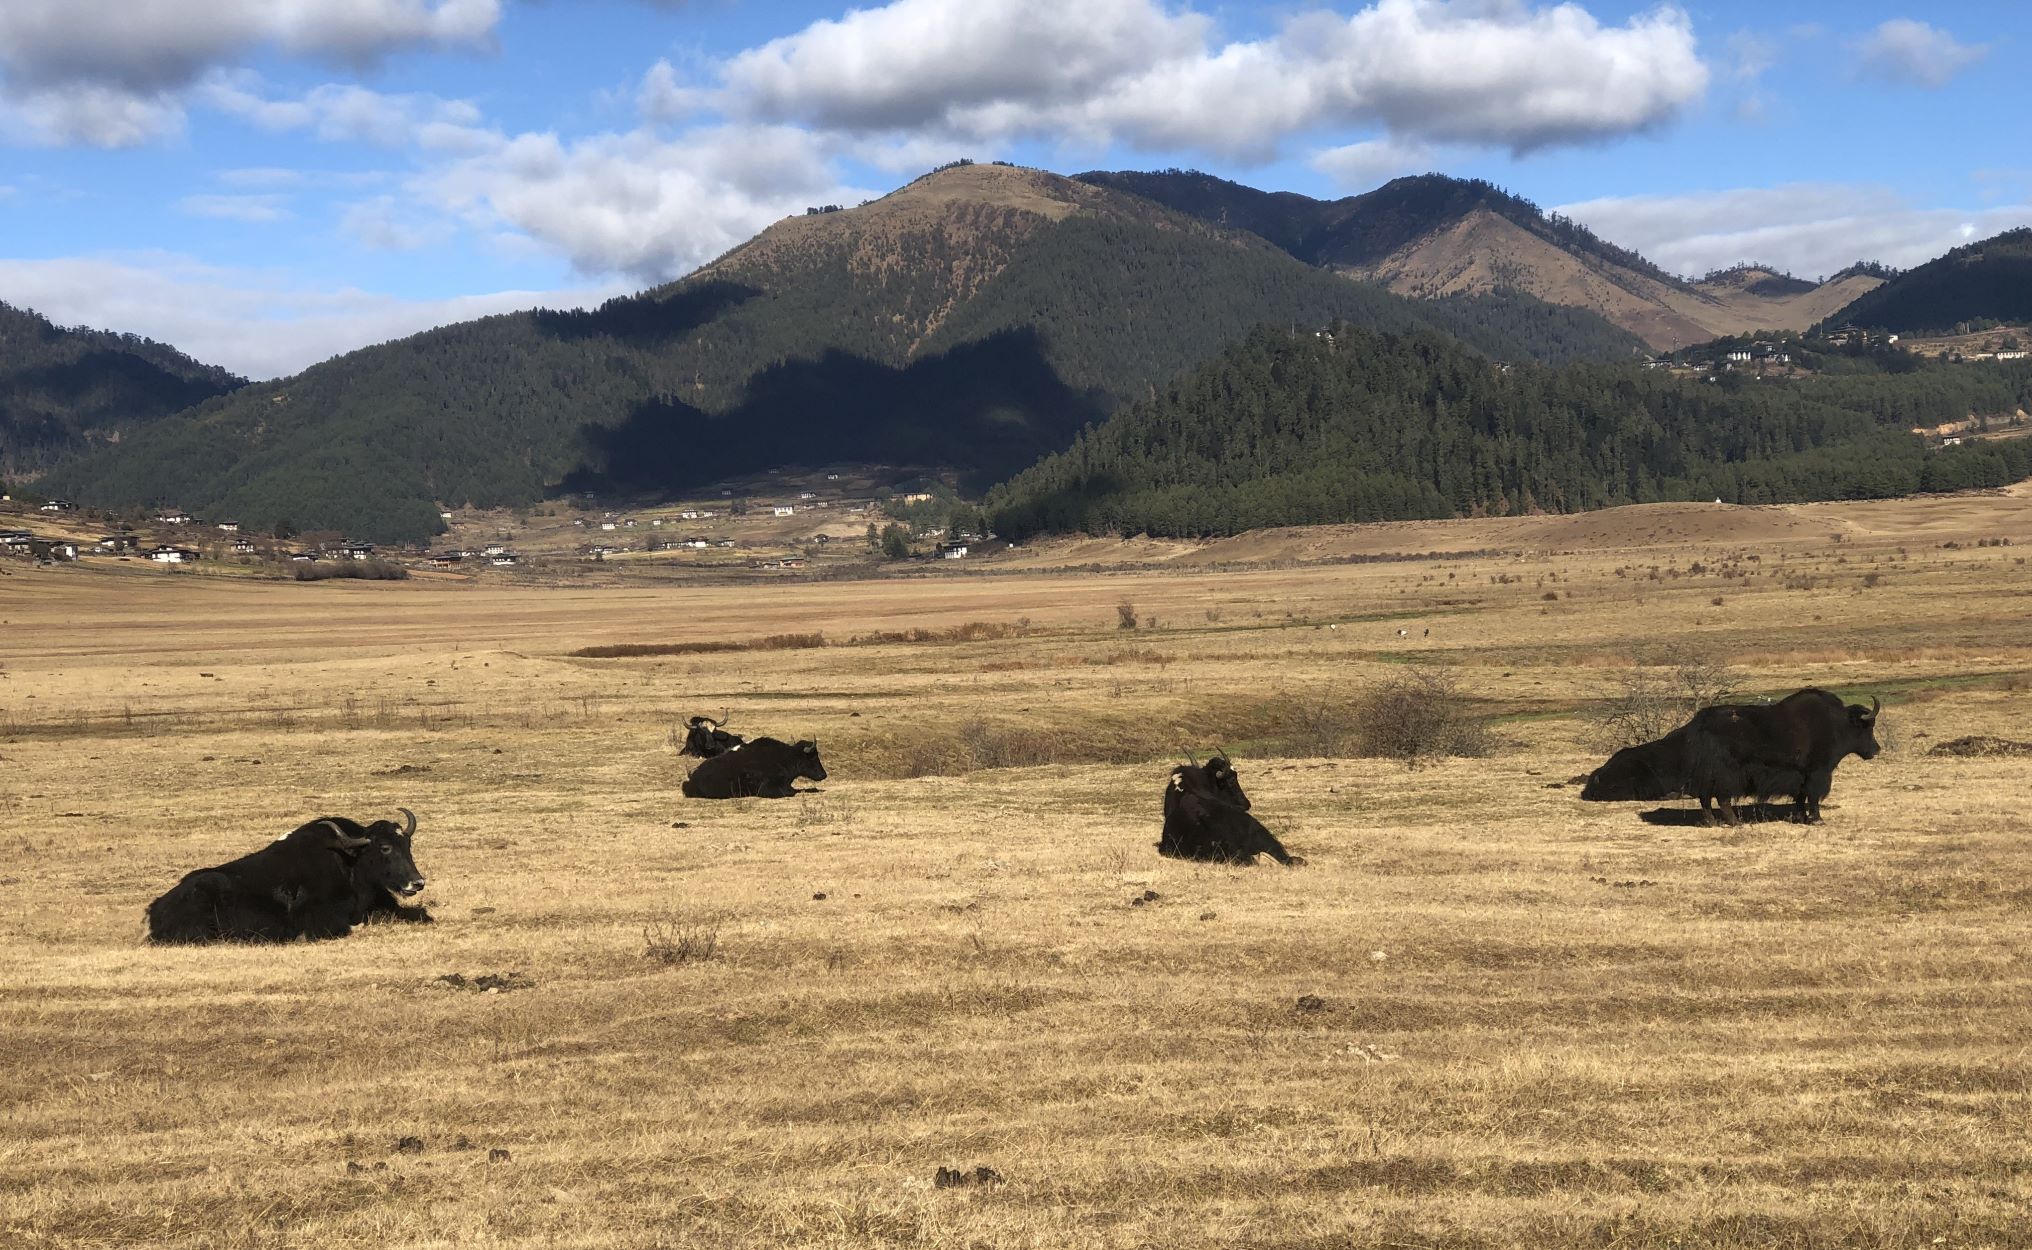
pixel 1483 1015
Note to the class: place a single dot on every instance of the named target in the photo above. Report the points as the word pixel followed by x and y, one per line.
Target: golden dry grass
pixel 1527 1022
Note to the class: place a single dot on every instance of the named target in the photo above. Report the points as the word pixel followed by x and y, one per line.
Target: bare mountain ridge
pixel 1431 236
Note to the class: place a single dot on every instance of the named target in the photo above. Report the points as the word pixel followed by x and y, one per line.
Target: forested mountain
pixel 1432 235
pixel 65 390
pixel 1986 281
pixel 1288 429
pixel 974 319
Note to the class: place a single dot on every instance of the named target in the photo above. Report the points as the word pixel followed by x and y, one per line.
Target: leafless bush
pixel 1418 715
pixel 676 943
pixel 1652 701
pixel 367 570
pixel 1125 615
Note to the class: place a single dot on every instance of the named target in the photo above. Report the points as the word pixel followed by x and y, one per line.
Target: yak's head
pixel 807 762
pixel 382 855
pixel 1863 728
pixel 1646 772
pixel 706 737
pixel 1214 780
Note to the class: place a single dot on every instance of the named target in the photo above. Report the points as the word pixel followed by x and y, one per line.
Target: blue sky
pixel 268 182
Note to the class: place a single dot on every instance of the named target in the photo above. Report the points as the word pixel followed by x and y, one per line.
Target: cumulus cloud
pixel 1493 72
pixel 1915 54
pixel 253 322
pixel 638 203
pixel 1360 166
pixel 1811 229
pixel 113 73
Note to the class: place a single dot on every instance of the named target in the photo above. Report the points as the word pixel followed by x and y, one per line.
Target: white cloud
pixel 247 208
pixel 915 63
pixel 1360 166
pixel 346 113
pixel 113 73
pixel 151 45
pixel 639 203
pixel 1490 72
pixel 1811 229
pixel 662 97
pixel 1915 54
pixel 253 322
pixel 389 225
pixel 87 114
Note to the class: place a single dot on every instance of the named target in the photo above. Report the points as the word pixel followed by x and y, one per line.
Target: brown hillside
pixel 1483 251
pixel 966 220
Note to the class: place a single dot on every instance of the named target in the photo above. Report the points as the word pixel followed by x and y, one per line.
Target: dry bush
pixel 365 570
pixel 970 631
pixel 675 943
pixel 1418 715
pixel 1125 615
pixel 1653 701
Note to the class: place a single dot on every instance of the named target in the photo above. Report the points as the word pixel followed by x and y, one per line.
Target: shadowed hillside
pixel 1986 281
pixel 64 391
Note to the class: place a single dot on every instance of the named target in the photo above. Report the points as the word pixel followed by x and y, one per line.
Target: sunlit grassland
pixel 1525 1021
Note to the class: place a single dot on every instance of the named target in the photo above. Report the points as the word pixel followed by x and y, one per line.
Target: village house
pixel 445 559
pixel 494 549
pixel 119 544
pixel 784 510
pixel 57 505
pixel 15 538
pixel 174 518
pixel 173 555
pixel 229 527
pixel 357 551
pixel 953 550
pixel 506 559
pixel 243 546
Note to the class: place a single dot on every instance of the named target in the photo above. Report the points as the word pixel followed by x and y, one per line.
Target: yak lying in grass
pixel 317 881
pixel 1206 817
pixel 762 769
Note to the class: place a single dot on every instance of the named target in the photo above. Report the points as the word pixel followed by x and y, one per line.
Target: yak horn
pixel 345 841
pixel 1876 705
pixel 410 816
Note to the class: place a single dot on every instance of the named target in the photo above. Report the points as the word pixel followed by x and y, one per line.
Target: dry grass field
pixel 1484 1015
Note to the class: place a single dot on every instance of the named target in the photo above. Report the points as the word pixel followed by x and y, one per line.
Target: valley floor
pixel 1485 1015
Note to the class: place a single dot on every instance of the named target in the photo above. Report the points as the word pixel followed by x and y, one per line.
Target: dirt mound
pixel 1982 746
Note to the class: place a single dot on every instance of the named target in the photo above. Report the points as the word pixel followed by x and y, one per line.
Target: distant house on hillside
pixel 357 551
pixel 784 510
pixel 57 505
pixel 302 557
pixel 174 517
pixel 953 550
pixel 119 544
pixel 229 527
pixel 173 555
pixel 506 559
pixel 16 538
pixel 243 546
